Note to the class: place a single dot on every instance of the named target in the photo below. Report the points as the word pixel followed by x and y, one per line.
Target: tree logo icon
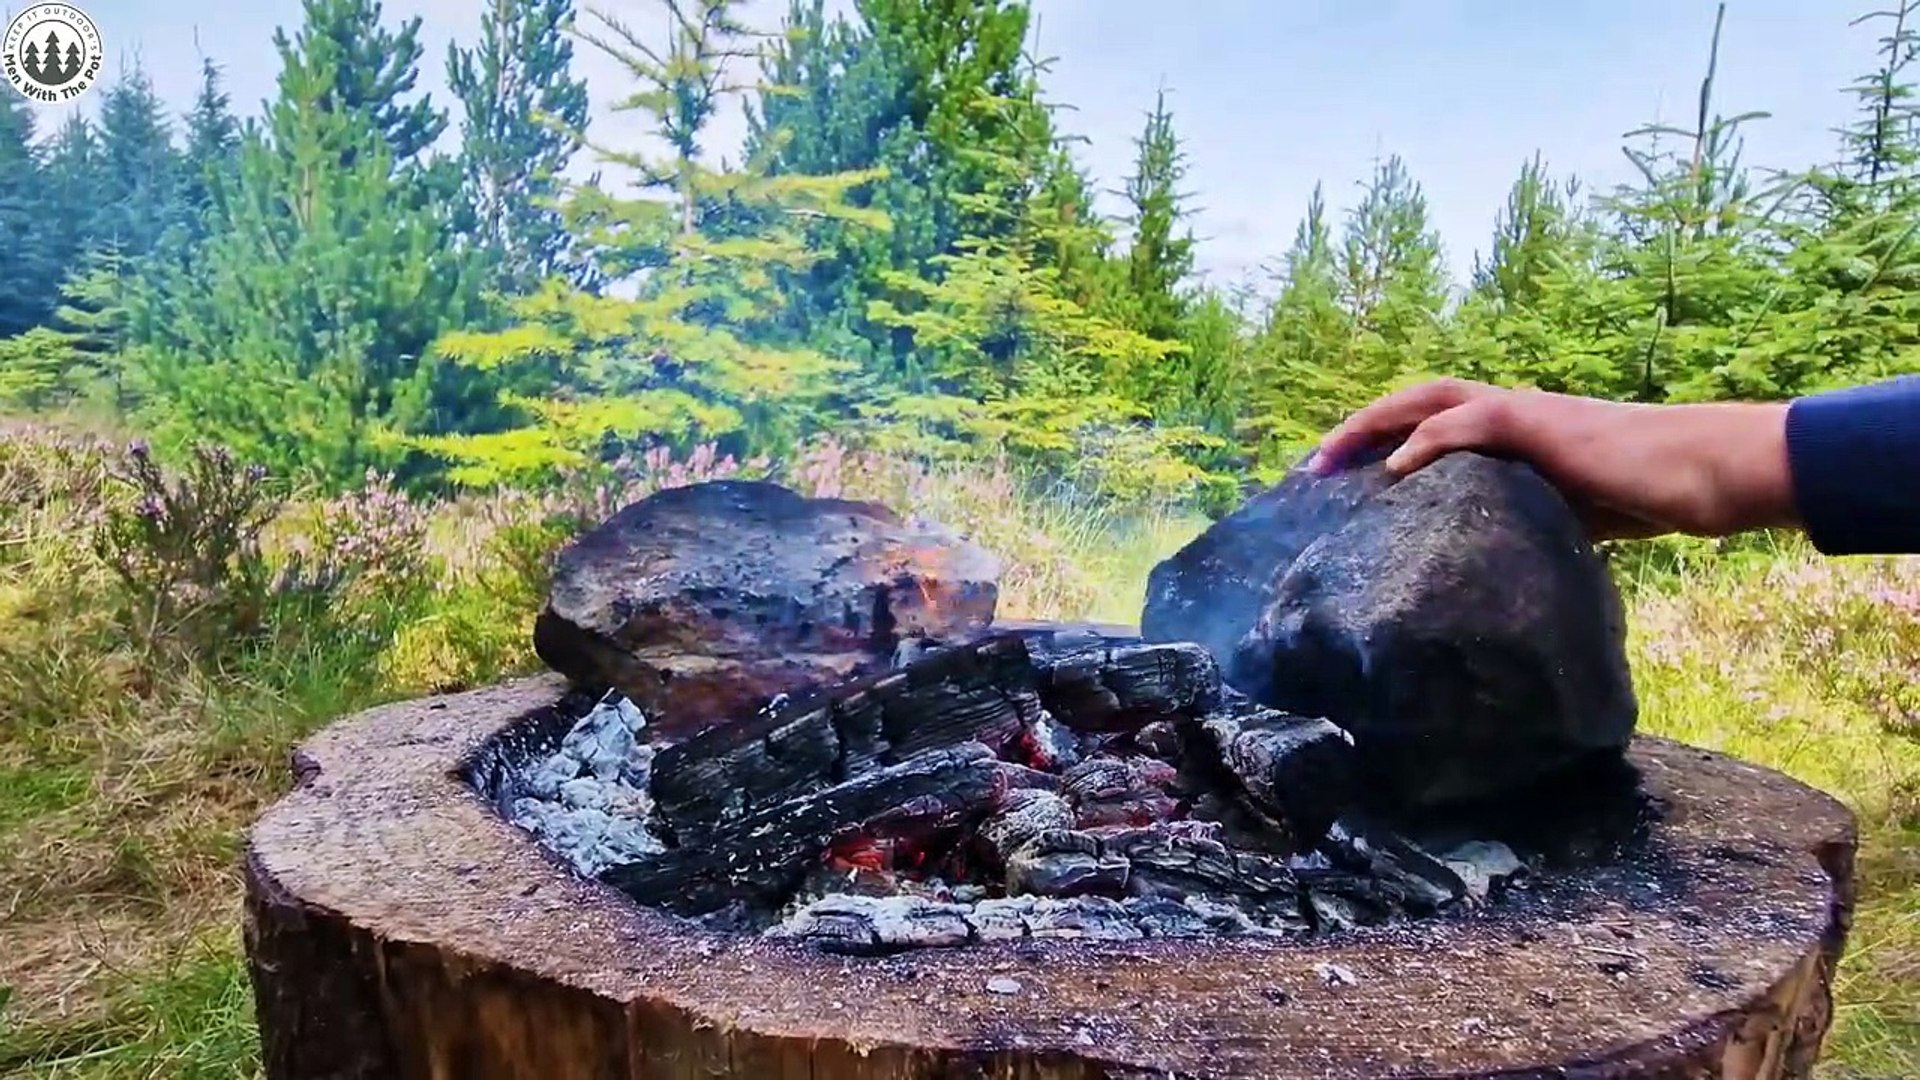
pixel 52 52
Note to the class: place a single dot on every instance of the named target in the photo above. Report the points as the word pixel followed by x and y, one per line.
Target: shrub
pixel 187 551
pixel 360 566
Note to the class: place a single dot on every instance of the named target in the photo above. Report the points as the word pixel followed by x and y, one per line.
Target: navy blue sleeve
pixel 1855 458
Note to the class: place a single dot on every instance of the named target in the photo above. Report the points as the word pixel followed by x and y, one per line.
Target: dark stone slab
pixel 1456 622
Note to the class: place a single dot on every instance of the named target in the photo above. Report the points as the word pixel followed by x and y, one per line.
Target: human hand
pixel 1628 470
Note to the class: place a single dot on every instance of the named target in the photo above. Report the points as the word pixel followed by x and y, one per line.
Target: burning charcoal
pixel 1016 777
pixel 1160 739
pixel 763 855
pixel 1183 867
pixel 1121 791
pixel 701 601
pixel 1335 911
pixel 1003 919
pixel 1408 876
pixel 1095 918
pixel 1456 621
pixel 870 926
pixel 1026 814
pixel 1046 744
pixel 1158 916
pixel 1122 687
pixel 979 693
pixel 1294 769
pixel 1484 866
pixel 1065 863
pixel 1221 918
pixel 832 877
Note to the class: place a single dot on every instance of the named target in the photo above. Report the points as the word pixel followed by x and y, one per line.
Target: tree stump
pixel 398 927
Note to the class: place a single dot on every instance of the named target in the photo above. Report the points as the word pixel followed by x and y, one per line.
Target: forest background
pixel 304 398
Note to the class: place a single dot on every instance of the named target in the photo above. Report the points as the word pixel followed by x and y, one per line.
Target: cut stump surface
pixel 397 927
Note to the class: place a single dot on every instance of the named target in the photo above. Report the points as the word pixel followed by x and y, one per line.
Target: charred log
pixel 981 693
pixel 762 856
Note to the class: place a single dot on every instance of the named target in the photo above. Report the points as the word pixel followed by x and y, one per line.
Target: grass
pixel 129 770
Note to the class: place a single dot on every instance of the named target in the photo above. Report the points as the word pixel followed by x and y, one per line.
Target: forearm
pixel 1854 460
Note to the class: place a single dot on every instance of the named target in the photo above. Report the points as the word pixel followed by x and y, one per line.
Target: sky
pixel 1270 96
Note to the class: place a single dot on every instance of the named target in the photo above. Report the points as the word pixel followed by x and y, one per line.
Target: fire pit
pixel 802 808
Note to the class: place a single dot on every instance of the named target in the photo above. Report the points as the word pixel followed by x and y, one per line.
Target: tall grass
pixel 130 764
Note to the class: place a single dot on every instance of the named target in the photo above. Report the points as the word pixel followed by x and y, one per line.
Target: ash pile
pixel 1352 702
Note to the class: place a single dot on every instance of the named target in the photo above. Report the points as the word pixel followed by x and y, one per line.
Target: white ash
pixel 588 801
pixel 1484 866
pixel 870 925
pixel 1336 975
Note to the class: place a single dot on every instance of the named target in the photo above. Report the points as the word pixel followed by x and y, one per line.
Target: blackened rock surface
pixel 1213 590
pixel 1457 622
pixel 701 602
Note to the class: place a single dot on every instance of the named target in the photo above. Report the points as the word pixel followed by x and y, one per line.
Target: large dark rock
pixel 700 603
pixel 1456 622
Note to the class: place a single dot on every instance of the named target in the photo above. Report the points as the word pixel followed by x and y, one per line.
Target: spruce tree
pixel 1392 279
pixel 1301 379
pixel 32 254
pixel 524 114
pixel 71 181
pixel 903 87
pixel 1691 245
pixel 139 198
pixel 1160 253
pixel 213 140
pixel 1532 232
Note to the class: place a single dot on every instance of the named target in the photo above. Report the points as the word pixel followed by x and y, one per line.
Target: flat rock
pixel 702 602
pixel 1456 622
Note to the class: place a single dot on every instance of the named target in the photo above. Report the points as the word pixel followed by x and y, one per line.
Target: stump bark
pixel 397 927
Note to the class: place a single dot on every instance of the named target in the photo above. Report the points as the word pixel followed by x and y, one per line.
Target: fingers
pixel 1480 423
pixel 1392 416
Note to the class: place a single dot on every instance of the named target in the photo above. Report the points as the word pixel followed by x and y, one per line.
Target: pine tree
pixel 1847 307
pixel 681 351
pixel 1159 257
pixel 363 69
pixel 1881 148
pixel 328 273
pixel 1004 355
pixel 524 116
